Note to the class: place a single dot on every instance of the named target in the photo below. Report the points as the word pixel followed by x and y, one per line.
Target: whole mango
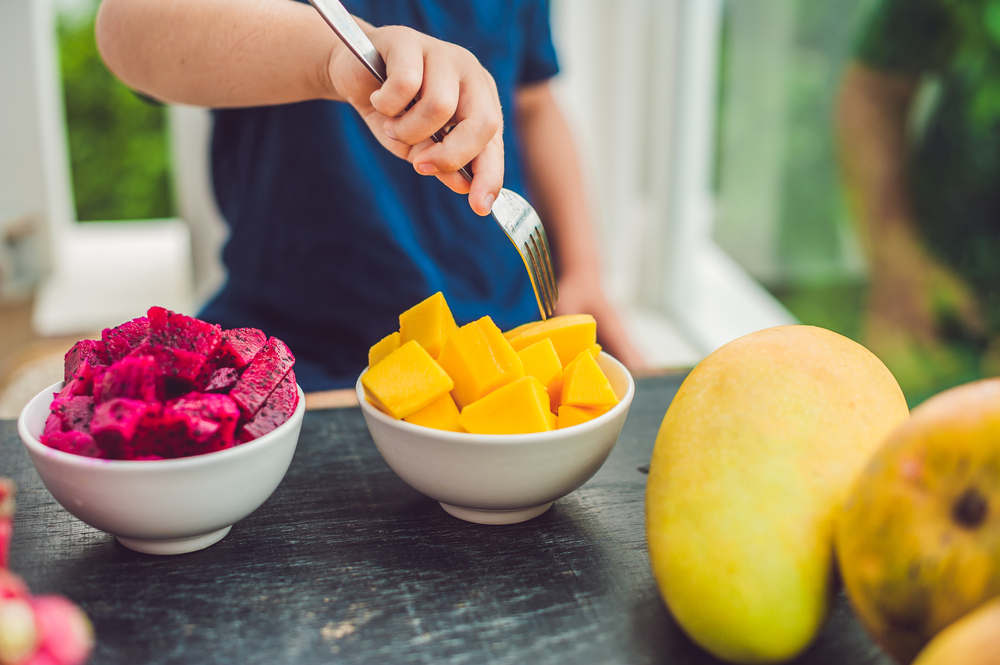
pixel 972 640
pixel 919 538
pixel 752 461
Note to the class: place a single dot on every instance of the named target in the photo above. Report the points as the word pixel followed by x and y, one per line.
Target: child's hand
pixel 454 91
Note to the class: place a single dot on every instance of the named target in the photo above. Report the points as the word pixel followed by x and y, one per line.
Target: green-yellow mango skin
pixel 972 640
pixel 918 539
pixel 753 459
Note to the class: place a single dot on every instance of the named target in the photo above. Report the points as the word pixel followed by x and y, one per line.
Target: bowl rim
pixel 505 439
pixel 32 443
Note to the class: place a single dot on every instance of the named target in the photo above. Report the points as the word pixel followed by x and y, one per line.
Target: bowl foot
pixel 174 545
pixel 496 516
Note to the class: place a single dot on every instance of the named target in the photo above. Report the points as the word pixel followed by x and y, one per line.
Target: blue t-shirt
pixel 332 236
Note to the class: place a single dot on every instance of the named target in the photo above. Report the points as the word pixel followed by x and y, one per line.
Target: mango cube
pixel 439 414
pixel 428 322
pixel 541 361
pixel 479 360
pixel 570 415
pixel 521 407
pixel 383 348
pixel 514 332
pixel 584 384
pixel 405 381
pixel 570 334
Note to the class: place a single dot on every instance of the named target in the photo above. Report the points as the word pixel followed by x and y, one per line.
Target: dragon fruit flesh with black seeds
pixel 167 385
pixel 120 340
pixel 262 376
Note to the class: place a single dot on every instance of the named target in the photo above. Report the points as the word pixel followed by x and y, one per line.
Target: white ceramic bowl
pixel 162 506
pixel 500 478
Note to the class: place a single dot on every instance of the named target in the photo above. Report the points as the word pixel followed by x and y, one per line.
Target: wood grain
pixel 347 564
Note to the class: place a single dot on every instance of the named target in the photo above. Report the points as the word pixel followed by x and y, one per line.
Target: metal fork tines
pixel 514 215
pixel 524 228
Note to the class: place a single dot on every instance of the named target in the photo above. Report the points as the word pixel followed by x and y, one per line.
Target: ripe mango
pixel 919 537
pixel 752 461
pixel 972 640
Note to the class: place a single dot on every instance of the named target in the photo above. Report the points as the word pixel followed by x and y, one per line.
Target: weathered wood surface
pixel 347 564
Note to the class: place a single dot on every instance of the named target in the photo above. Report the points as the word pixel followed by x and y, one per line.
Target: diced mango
pixel 429 322
pixel 383 348
pixel 555 394
pixel 570 334
pixel 520 407
pixel 570 415
pixel 595 349
pixel 514 332
pixel 553 421
pixel 405 381
pixel 479 360
pixel 541 361
pixel 584 384
pixel 439 414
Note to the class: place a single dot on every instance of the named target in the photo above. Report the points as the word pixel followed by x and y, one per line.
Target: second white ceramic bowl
pixel 166 506
pixel 500 479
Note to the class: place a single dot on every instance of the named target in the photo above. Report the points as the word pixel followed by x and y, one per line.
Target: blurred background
pixel 716 136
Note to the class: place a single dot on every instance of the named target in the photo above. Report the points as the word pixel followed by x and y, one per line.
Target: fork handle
pixel 338 18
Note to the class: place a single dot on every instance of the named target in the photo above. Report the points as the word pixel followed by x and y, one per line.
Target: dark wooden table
pixel 346 563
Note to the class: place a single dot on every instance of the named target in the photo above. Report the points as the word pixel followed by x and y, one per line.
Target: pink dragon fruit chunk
pixel 262 376
pixel 178 331
pixel 212 419
pixel 119 341
pixel 165 433
pixel 133 377
pixel 7 491
pixel 66 633
pixel 240 345
pixel 115 423
pixel 75 387
pixel 77 443
pixel 82 358
pixel 75 412
pixel 176 365
pixel 52 424
pixel 222 380
pixel 278 408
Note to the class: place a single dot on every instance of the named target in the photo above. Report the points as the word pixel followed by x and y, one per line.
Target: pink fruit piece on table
pixel 178 331
pixel 222 380
pixel 278 408
pixel 6 519
pixel 65 634
pixel 239 346
pixel 82 358
pixel 132 377
pixel 120 340
pixel 262 376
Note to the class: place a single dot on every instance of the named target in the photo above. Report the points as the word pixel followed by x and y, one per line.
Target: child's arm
pixel 553 170
pixel 227 53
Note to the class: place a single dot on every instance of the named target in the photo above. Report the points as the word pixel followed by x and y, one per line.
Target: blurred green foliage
pixel 118 143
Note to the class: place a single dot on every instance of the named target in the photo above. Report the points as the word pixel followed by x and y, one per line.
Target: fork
pixel 511 211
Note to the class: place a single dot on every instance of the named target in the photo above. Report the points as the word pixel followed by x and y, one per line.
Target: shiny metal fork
pixel 514 215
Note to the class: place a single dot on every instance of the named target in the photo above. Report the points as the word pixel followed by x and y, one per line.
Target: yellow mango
pixel 570 415
pixel 595 349
pixel 383 348
pixel 429 322
pixel 479 360
pixel 439 414
pixel 570 334
pixel 514 332
pixel 405 381
pixel 541 361
pixel 520 407
pixel 584 384
pixel 551 418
